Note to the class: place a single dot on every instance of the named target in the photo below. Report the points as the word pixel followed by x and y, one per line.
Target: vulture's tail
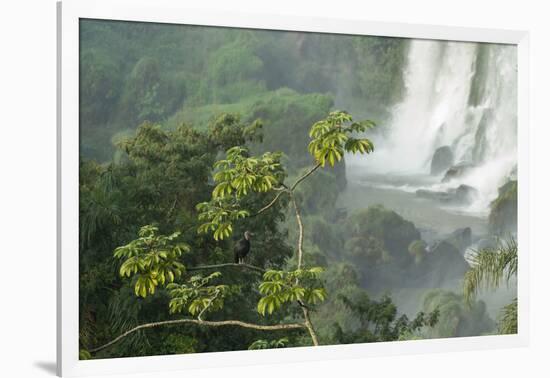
pixel 236 258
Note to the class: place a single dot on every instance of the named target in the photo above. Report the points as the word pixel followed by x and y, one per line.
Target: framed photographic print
pixel 273 188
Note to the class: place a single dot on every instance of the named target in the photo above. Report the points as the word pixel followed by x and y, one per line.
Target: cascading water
pixel 460 95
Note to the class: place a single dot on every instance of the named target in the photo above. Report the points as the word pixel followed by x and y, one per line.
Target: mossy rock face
pixel 395 232
pixel 443 262
pixel 417 249
pixel 503 218
pixel 461 238
pixel 366 250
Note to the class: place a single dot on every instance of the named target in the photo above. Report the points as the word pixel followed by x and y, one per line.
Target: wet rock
pixel 462 195
pixel 465 195
pixel 460 238
pixel 457 171
pixel 442 160
pixel 444 262
pixel 434 195
pixel 395 232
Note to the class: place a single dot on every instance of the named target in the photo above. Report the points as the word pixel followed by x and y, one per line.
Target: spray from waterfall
pixel 460 95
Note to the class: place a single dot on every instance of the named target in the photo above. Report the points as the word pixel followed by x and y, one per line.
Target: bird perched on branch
pixel 242 247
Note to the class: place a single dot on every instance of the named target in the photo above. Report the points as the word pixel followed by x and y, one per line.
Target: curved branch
pixel 246 266
pixel 271 203
pixel 238 323
pixel 305 176
pixel 285 189
pixel 300 230
pixel 309 326
pixel 208 305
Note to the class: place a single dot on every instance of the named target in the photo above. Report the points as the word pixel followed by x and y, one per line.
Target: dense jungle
pixel 252 189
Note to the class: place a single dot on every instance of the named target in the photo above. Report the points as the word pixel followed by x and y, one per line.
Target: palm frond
pixel 508 319
pixel 490 267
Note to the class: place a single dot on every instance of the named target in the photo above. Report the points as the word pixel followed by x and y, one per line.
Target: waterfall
pixel 461 95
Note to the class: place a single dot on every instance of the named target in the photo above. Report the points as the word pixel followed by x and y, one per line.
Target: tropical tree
pixel 153 259
pixel 490 267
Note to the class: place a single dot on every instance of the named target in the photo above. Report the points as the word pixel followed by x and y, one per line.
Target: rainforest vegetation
pixel 190 136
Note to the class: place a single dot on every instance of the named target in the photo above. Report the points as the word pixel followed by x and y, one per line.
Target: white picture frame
pixel 165 11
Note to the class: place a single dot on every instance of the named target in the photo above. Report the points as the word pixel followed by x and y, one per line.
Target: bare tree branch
pixel 238 323
pixel 285 189
pixel 309 326
pixel 216 266
pixel 208 305
pixel 305 176
pixel 172 207
pixel 271 203
pixel 300 230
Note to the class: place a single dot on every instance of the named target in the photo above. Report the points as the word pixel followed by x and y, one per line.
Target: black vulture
pixel 242 247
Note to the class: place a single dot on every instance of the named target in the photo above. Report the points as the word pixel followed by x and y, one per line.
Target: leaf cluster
pixel 332 137
pixel 269 344
pixel 152 259
pixel 237 176
pixel 508 319
pixel 240 174
pixel 279 287
pixel 491 266
pixel 379 320
pixel 197 295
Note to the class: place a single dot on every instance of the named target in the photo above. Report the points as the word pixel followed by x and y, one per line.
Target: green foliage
pixel 176 343
pixel 394 232
pixel 131 72
pixel 99 85
pixel 508 319
pixel 152 259
pixel 235 71
pixel 99 204
pixel 136 76
pixel 226 131
pixel 366 250
pixel 269 344
pixel 163 174
pixel 220 216
pixel 159 178
pixel 375 77
pixel 503 217
pixel 280 287
pixel 197 295
pixel 455 318
pixel 331 138
pixel 379 321
pixel 83 354
pixel 285 112
pixel 142 95
pixel 318 194
pixel 237 176
pixel 490 267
